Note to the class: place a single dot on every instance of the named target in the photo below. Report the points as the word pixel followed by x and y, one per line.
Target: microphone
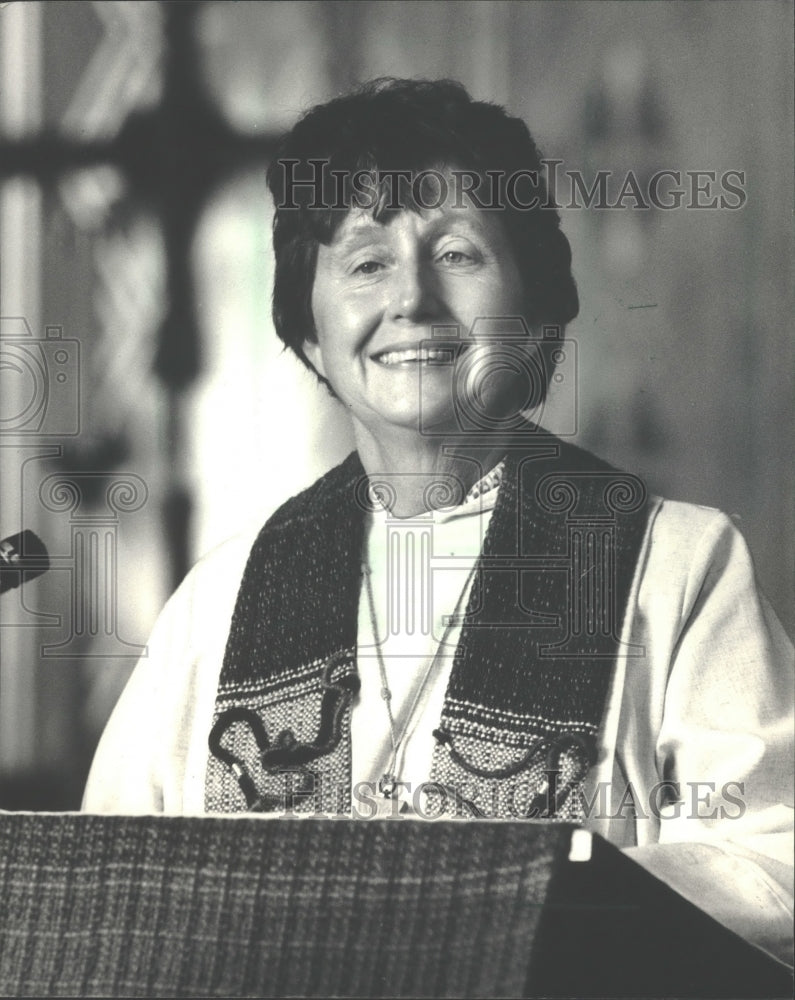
pixel 22 557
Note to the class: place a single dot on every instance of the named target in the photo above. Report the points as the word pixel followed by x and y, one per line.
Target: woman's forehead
pixel 360 225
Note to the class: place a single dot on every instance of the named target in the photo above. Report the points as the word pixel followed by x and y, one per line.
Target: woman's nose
pixel 414 294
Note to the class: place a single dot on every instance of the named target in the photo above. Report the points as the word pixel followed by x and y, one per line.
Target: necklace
pixel 389 782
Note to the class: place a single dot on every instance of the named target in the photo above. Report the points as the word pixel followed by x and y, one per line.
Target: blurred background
pixel 147 410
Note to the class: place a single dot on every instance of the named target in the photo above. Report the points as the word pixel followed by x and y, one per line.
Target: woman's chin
pixel 433 422
pixel 423 422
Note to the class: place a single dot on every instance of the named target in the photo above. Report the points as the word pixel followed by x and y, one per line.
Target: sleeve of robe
pixel 152 755
pixel 708 709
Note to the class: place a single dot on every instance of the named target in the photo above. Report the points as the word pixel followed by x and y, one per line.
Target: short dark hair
pixel 411 125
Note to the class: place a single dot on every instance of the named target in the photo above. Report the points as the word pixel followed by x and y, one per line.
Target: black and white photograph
pixel 397 588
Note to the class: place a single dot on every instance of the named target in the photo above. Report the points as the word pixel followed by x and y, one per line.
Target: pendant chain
pixel 388 783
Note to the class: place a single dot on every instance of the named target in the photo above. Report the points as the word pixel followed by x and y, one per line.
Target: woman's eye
pixel 456 257
pixel 367 267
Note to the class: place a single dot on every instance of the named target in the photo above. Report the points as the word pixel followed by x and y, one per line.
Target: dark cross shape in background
pixel 173 157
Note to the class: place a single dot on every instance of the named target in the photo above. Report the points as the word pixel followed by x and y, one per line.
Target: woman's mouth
pixel 415 355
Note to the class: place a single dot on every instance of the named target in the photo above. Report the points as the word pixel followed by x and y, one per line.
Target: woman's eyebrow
pixel 457 227
pixel 463 229
pixel 357 234
pixel 367 230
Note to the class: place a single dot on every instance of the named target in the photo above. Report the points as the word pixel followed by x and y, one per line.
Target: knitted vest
pixel 530 674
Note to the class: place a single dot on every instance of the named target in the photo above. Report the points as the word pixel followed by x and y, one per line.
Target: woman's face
pixel 381 288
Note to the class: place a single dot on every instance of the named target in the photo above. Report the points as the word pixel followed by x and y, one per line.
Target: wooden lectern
pixel 234 907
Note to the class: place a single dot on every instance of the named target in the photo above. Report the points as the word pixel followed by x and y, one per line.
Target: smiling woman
pixel 470 616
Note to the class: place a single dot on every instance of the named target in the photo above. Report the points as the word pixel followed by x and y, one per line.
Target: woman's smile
pixel 407 357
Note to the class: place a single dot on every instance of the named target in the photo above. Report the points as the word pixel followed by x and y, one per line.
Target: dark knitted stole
pixel 530 675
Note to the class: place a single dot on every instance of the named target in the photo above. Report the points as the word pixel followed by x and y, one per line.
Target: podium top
pixel 232 907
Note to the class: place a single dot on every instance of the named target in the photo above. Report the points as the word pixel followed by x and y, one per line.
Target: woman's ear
pixel 314 356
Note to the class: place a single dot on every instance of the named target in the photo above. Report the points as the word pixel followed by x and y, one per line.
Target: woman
pixel 468 616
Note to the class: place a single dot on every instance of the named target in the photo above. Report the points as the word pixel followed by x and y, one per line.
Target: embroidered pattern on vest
pixel 552 585
pixel 290 659
pixel 531 671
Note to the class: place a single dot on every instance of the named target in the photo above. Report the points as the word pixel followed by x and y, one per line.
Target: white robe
pixel 708 703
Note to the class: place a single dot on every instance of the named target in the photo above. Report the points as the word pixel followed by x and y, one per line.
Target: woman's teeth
pixel 416 354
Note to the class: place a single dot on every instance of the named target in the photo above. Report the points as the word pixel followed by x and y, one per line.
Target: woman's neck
pixel 419 473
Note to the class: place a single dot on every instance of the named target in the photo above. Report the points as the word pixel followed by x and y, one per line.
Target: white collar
pixel 481 498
